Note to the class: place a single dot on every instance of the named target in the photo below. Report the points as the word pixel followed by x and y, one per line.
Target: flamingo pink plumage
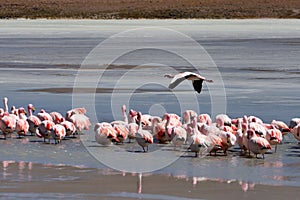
pixel 70 128
pixel 274 137
pixel 33 120
pixel 22 125
pixel 43 115
pixel 57 117
pixel 58 132
pixel 44 130
pixel 80 121
pixel 296 132
pixel 143 137
pixel 257 145
pixel 105 134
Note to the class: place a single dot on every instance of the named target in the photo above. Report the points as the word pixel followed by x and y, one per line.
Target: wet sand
pixel 21 179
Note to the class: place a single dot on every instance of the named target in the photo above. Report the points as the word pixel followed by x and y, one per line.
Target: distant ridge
pixel 150 9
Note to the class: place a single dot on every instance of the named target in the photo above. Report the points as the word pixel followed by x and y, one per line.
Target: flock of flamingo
pixel 44 125
pixel 199 133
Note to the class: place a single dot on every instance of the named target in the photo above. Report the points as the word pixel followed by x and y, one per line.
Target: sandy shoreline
pixel 149 9
pixel 87 183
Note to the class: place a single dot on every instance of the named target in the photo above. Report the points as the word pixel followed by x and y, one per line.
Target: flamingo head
pixel 22 110
pixel 5 100
pixel 31 107
pixel 251 133
pixel 132 113
pixel 166 116
pixel 123 108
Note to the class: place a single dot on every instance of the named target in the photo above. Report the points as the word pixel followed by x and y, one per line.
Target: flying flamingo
pixel 143 137
pixel 196 79
pixel 58 132
pixel 33 120
pixel 105 134
pixel 257 145
pixel 22 125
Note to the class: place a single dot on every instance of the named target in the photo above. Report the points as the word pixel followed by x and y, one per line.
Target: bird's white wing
pixel 175 81
pixel 178 78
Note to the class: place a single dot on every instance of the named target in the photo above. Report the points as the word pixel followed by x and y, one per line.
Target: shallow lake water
pixel 254 63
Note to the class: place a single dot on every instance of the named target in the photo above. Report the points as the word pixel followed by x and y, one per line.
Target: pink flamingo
pixel 223 120
pixel 58 132
pixel 296 132
pixel 122 132
pixel 294 122
pixel 8 121
pixel 162 131
pixel 187 115
pixel 74 111
pixel 125 118
pixel 196 79
pixel 143 137
pixel 274 137
pixel 257 145
pixel 43 115
pixel 33 120
pixel 7 125
pixel 283 127
pixel 57 117
pixel 70 128
pixel 132 130
pixel 105 134
pixel 258 128
pixel 205 118
pixel 22 125
pixel 255 119
pixel 80 121
pixel 45 130
pixel 198 141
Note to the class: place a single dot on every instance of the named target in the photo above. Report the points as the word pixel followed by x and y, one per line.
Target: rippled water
pixel 258 61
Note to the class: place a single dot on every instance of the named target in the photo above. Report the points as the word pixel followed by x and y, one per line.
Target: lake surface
pixel 254 63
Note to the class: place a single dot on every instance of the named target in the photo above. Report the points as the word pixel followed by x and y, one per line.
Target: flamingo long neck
pixel 5 103
pixel 154 126
pixel 30 111
pixel 140 121
pixel 124 115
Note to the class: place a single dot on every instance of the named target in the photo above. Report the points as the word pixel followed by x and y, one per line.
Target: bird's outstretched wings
pixel 178 78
